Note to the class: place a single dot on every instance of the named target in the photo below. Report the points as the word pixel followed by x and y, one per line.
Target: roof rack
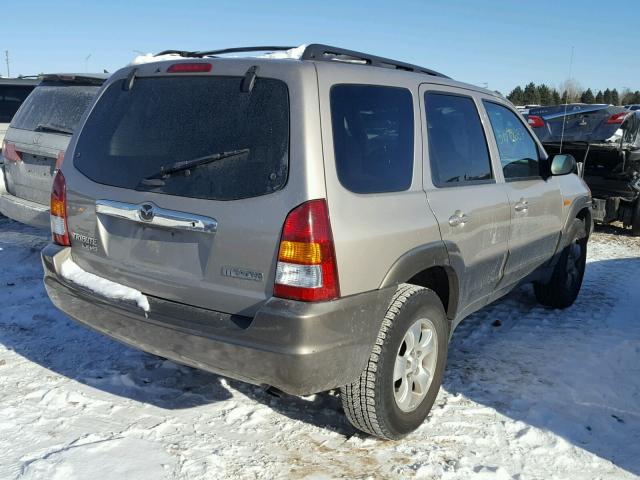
pixel 319 53
pixel 224 51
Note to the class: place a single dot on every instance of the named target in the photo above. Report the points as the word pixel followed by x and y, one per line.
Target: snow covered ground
pixel 528 393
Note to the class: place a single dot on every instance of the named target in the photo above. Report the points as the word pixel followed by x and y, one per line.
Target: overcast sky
pixel 495 43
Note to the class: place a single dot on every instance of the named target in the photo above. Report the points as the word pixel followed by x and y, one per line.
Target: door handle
pixel 458 219
pixel 521 206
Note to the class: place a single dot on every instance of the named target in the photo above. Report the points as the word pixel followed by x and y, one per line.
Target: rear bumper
pixel 300 348
pixel 23 211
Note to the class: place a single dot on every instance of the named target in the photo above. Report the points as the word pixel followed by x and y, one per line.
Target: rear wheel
pixel 563 288
pixel 396 390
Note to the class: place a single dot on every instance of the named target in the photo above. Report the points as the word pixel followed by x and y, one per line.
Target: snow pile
pixel 72 272
pixel 293 53
pixel 150 58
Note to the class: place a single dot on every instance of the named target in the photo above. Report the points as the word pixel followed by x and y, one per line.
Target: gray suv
pixel 309 223
pixel 36 140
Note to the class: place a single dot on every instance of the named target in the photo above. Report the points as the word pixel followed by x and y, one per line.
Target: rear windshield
pixel 11 97
pixel 55 107
pixel 237 143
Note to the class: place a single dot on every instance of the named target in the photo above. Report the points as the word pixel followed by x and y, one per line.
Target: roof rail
pixel 319 53
pixel 209 53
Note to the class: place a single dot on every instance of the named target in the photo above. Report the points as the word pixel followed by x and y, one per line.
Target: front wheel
pixel 399 385
pixel 563 288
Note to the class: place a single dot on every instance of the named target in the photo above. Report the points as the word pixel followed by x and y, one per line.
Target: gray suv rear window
pixel 56 106
pixel 372 137
pixel 133 135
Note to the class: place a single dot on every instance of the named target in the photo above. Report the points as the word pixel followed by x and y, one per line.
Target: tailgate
pixel 31 177
pixel 180 185
pixel 216 255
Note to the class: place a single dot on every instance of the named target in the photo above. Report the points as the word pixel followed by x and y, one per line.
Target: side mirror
pixel 563 164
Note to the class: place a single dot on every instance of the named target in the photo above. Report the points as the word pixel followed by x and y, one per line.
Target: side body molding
pixel 432 254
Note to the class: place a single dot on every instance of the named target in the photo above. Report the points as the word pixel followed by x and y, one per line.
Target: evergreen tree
pixel 606 96
pixel 615 98
pixel 587 96
pixel 544 93
pixel 555 96
pixel 531 95
pixel 564 98
pixel 599 97
pixel 516 96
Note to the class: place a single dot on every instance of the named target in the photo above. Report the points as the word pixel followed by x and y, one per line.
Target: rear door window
pixel 372 137
pixel 239 139
pixel 55 107
pixel 518 151
pixel 11 97
pixel 458 150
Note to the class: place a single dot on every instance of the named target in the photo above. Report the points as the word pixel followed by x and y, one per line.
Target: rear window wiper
pixel 49 127
pixel 157 179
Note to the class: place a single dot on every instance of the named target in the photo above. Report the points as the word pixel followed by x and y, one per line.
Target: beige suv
pixel 314 219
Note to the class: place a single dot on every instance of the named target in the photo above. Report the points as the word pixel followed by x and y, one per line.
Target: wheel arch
pixel 581 209
pixel 428 266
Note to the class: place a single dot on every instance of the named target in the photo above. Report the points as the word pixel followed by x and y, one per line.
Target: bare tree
pixel 572 89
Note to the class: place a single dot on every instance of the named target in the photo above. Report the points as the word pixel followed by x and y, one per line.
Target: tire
pixel 370 402
pixel 635 220
pixel 563 288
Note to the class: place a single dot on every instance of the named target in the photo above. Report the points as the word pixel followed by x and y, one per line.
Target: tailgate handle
pixel 150 214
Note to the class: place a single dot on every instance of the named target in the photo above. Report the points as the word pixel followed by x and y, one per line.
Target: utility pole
pixel 86 63
pixel 6 56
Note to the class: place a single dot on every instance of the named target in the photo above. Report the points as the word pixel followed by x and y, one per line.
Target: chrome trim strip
pixel 161 217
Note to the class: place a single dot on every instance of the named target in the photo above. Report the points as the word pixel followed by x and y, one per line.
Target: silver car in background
pixel 36 140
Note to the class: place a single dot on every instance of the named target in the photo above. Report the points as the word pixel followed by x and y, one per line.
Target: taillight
pixel 617 117
pixel 59 159
pixel 307 268
pixel 10 153
pixel 535 121
pixel 189 68
pixel 59 228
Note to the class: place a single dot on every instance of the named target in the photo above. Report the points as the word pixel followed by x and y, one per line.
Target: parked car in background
pixel 524 109
pixel 632 107
pixel 36 141
pixel 309 224
pixel 605 139
pixel 13 91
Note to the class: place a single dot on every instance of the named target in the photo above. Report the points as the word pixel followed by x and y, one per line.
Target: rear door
pixel 41 130
pixel 464 191
pixel 207 235
pixel 535 204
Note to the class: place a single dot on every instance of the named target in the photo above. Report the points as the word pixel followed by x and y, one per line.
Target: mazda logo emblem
pixel 145 212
